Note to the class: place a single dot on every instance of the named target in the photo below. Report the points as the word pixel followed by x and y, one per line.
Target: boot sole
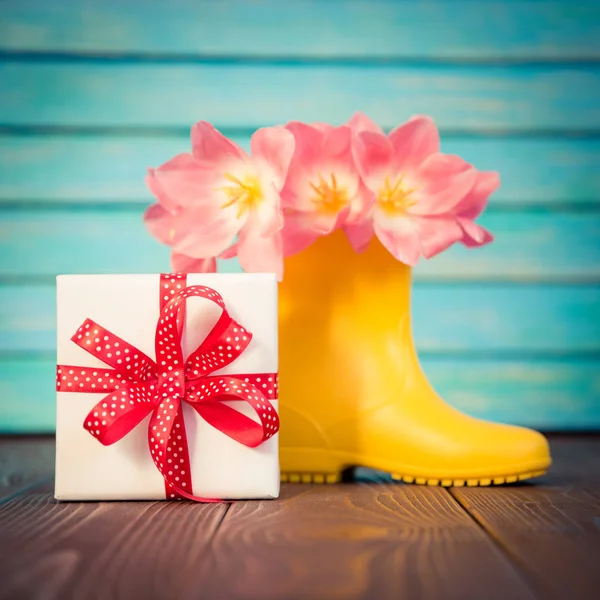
pixel 329 470
pixel 484 482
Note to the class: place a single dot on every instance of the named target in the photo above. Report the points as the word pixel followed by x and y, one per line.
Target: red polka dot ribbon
pixel 136 385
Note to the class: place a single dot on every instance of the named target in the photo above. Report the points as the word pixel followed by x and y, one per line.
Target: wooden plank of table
pixel 103 550
pixel 551 529
pixel 356 541
pixel 23 463
pixel 575 462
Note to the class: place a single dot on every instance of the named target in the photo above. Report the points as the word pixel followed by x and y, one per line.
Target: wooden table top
pixel 369 538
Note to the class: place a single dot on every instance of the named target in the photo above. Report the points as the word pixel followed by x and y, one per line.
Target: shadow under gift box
pixel 128 306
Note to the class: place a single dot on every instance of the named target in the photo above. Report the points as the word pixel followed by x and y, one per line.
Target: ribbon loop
pixel 207 399
pixel 124 358
pixel 137 386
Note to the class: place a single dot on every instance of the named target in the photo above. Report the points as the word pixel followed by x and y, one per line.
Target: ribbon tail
pixel 167 441
pixel 171 491
pixel 231 422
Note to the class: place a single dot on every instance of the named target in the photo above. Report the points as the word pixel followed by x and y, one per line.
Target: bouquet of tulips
pixel 302 181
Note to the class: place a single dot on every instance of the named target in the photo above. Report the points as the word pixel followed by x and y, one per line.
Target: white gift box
pixel 128 306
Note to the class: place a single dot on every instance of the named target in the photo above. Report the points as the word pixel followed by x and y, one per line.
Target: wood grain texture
pixel 438 30
pixel 116 550
pixel 496 99
pixel 95 168
pixel 350 541
pixel 494 318
pixel 355 541
pixel 552 529
pixel 23 463
pixel 529 246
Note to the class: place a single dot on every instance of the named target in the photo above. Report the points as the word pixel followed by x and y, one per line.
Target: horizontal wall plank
pixel 526 319
pixel 550 395
pixel 547 246
pixel 466 30
pixel 75 169
pixel 462 98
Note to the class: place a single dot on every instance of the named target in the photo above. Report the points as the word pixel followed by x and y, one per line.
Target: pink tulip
pixel 323 190
pixel 219 193
pixel 424 201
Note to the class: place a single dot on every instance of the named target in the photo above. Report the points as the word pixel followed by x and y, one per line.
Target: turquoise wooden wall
pixel 92 92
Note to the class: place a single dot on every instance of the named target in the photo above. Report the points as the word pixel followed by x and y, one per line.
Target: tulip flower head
pixel 300 182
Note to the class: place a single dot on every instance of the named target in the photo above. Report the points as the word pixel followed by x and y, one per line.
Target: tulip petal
pixel 400 236
pixel 211 146
pixel 437 234
pixel 474 235
pixel 297 233
pixel 159 193
pixel 307 143
pixel 180 263
pixel 413 142
pixel 184 181
pixel 160 223
pixel 475 201
pixel 272 150
pixel 373 156
pixel 324 222
pixel 266 215
pixel 336 143
pixel 204 232
pixel 359 234
pixel 361 204
pixel 442 182
pixel 360 122
pixel 324 127
pixel 259 254
pixel 230 252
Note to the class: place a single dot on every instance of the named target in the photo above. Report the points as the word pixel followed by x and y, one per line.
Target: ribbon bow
pixel 136 385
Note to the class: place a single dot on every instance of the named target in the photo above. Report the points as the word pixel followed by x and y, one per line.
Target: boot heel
pixel 311 465
pixel 310 477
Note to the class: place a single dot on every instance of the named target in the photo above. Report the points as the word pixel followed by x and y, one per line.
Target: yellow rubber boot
pixel 352 392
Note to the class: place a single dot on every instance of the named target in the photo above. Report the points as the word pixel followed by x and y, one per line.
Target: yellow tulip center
pixel 395 198
pixel 246 193
pixel 329 196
